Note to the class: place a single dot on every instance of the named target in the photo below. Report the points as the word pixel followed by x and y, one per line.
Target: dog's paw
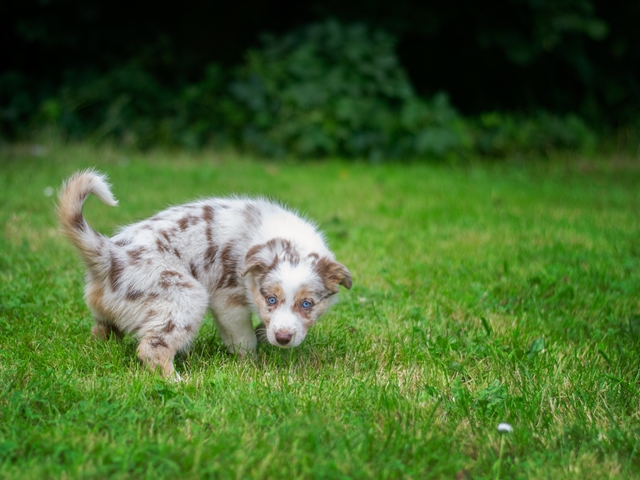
pixel 245 355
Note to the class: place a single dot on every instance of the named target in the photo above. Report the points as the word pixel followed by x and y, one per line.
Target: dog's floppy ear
pixel 333 274
pixel 257 260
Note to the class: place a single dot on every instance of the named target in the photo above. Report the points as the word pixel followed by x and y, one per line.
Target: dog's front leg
pixel 236 329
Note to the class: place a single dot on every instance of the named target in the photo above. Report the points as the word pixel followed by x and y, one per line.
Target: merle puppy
pixel 156 278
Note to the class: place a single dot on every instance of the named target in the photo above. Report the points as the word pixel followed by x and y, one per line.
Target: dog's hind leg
pixel 103 330
pixel 156 352
pixel 170 323
pixel 104 327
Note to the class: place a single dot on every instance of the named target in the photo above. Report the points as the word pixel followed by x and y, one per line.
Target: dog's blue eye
pixel 272 300
pixel 306 304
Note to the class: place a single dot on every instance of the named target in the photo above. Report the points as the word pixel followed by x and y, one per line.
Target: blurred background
pixel 310 78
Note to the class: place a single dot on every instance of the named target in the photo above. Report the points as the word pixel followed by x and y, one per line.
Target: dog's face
pixel 290 292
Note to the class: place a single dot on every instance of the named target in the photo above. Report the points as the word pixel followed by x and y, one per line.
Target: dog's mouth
pixel 281 338
pixel 284 338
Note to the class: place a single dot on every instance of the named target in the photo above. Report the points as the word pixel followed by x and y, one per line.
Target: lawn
pixel 483 293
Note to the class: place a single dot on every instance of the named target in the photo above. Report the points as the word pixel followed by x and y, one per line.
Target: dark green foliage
pixel 569 56
pixel 131 105
pixel 17 104
pixel 333 89
pixel 574 55
pixel 327 89
pixel 503 134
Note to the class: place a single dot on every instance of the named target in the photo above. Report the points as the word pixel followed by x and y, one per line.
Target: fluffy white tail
pixel 73 194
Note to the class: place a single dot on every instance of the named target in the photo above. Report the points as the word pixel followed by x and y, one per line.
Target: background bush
pixel 500 134
pixel 130 105
pixel 332 89
pixel 326 89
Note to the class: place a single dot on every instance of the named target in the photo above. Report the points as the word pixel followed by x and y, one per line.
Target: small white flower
pixel 505 428
pixel 48 191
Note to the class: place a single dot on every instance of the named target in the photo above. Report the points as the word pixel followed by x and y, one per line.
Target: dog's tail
pixel 93 246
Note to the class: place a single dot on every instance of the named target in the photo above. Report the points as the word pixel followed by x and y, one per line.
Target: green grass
pixel 482 294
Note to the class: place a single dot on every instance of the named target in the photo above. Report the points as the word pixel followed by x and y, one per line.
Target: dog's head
pixel 290 291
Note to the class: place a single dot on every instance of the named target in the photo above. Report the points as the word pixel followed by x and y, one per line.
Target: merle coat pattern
pixel 156 278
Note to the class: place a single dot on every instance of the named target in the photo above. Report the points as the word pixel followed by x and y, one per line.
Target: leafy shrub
pixel 17 104
pixel 130 105
pixel 326 89
pixel 501 134
pixel 333 89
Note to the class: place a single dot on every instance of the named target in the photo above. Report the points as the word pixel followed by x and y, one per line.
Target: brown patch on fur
pixel 277 250
pixel 167 278
pixel 95 300
pixel 236 300
pixel 212 250
pixel 166 235
pixel 228 278
pixel 207 213
pixel 156 342
pixel 207 216
pixel 186 222
pixel 316 297
pixel 135 255
pixel 290 253
pixel 132 294
pixel 177 253
pixel 194 271
pixel 210 257
pixel 272 289
pixel 254 262
pixel 284 251
pixel 252 214
pixel 77 221
pixel 171 278
pixel 333 274
pixel 170 273
pixel 123 242
pixel 304 293
pixel 183 223
pixel 115 272
pixel 162 248
pixel 155 353
pixel 169 327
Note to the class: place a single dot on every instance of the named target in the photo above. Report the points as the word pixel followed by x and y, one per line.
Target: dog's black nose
pixel 283 337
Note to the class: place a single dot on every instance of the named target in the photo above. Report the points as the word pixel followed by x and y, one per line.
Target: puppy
pixel 156 278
